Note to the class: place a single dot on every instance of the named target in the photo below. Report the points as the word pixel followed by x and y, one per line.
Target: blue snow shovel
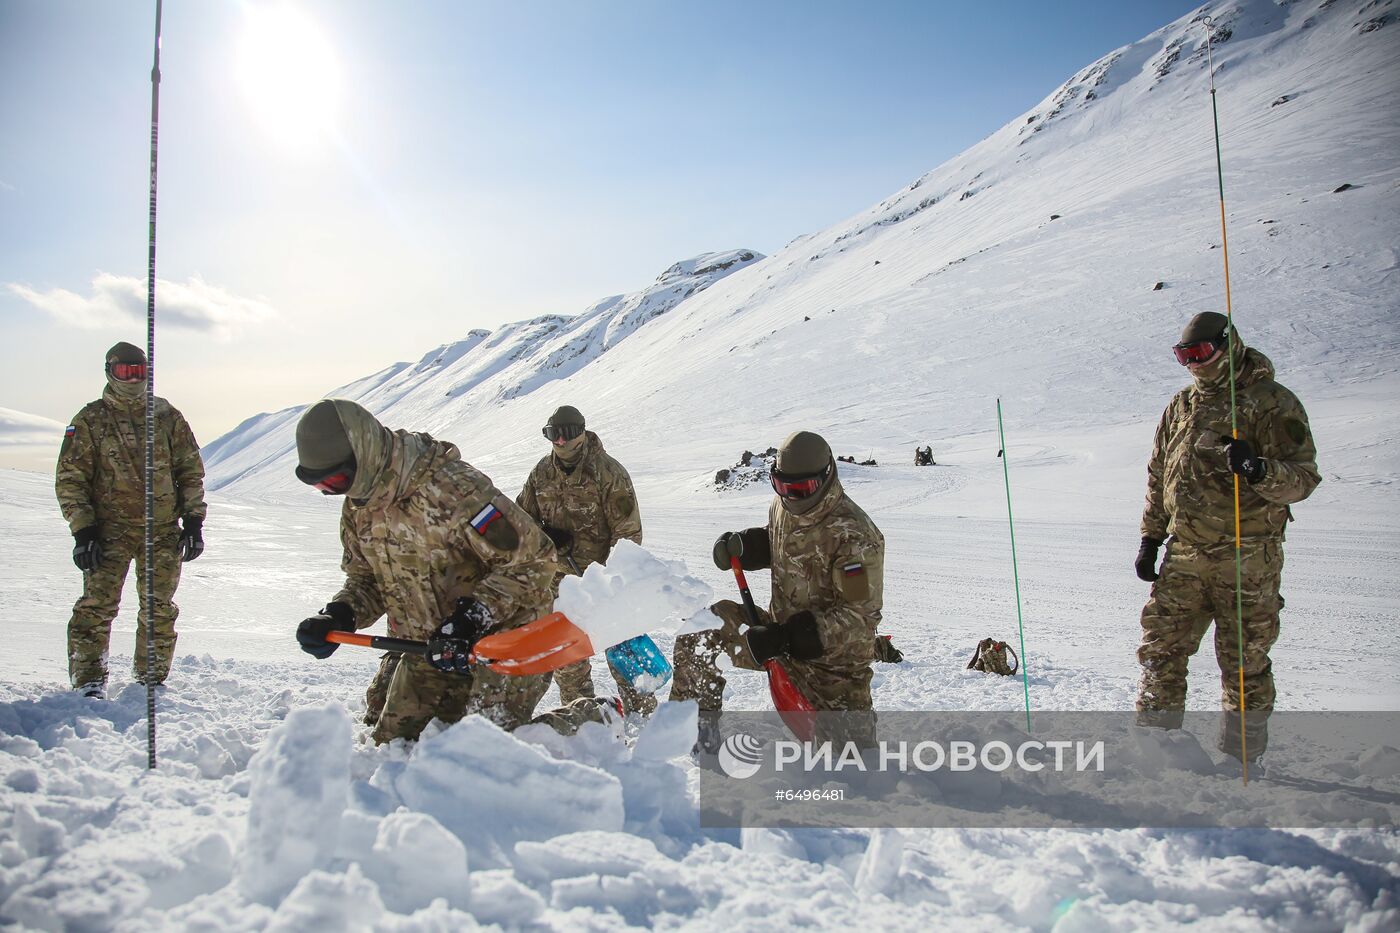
pixel 641 663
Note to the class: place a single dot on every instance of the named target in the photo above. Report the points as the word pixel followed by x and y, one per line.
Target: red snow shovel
pixel 546 644
pixel 796 710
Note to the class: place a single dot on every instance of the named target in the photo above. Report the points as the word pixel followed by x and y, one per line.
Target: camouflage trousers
pixel 576 680
pixel 1196 587
pixel 407 693
pixel 90 627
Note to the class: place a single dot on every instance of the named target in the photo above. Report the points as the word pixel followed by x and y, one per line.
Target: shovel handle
pixel 792 705
pixel 379 642
pixel 744 593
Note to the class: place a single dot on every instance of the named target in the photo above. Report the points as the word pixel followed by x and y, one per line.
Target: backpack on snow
pixel 991 657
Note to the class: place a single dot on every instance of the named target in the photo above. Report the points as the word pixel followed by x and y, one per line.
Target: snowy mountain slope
pixel 458 380
pixel 901 324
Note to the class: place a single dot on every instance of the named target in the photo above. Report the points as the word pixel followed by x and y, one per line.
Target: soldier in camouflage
pixel 585 502
pixel 429 540
pixel 827 560
pixel 1191 481
pixel 101 486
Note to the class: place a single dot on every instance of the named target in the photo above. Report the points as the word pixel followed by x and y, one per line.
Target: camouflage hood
pixel 1251 366
pixel 1216 378
pixel 582 449
pixel 818 506
pixel 388 464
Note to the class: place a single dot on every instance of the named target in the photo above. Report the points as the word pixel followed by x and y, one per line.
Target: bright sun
pixel 290 74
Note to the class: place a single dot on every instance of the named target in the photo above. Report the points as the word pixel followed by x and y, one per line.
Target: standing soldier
pixel 101 486
pixel 585 501
pixel 428 539
pixel 827 559
pixel 1191 499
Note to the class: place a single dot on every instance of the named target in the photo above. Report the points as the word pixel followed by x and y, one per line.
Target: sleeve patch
pixel 853 581
pixel 492 524
pixel 624 504
pixel 70 430
pixel 1292 427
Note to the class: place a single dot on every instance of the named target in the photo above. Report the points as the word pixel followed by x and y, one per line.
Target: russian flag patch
pixel 70 430
pixel 483 519
pixel 852 570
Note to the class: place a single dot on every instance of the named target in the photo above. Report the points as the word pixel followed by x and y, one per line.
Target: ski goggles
pixel 799 487
pixel 1198 352
pixel 562 431
pixel 127 372
pixel 333 482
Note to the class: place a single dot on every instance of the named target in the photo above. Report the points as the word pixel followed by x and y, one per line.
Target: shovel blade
pixel 546 644
pixel 796 711
pixel 641 663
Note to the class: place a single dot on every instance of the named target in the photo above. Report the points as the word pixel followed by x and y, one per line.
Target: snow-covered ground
pixel 897 327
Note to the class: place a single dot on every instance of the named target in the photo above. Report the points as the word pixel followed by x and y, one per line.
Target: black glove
pixel 87 550
pixel 1243 460
pixel 1146 563
pixel 191 538
pixel 804 641
pixel 797 638
pixel 750 546
pixel 449 648
pixel 563 538
pixel 312 632
pixel 766 641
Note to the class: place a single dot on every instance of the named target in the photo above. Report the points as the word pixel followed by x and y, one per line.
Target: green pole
pixel 1015 574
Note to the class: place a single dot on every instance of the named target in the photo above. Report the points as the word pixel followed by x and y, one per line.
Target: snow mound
pixel 491 790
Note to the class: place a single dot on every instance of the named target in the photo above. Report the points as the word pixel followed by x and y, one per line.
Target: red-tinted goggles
pixel 333 482
pixel 1197 352
pixel 799 487
pixel 337 484
pixel 127 372
pixel 565 431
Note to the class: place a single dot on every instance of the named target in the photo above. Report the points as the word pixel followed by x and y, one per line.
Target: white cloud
pixel 121 300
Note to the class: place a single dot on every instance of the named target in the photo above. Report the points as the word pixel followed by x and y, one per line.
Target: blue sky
pixel 480 163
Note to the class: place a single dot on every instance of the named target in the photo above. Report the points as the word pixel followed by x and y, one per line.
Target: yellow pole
pixel 1234 418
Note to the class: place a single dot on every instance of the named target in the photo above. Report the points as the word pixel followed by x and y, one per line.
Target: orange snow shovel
pixel 546 644
pixel 796 710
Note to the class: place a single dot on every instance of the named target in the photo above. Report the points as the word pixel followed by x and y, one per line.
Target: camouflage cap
pixel 322 442
pixel 1208 325
pixel 565 414
pixel 124 352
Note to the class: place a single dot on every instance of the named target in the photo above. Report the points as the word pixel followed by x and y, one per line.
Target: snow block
pixel 633 594
pixel 323 901
pixel 416 860
pixel 492 790
pixel 300 784
pixel 669 733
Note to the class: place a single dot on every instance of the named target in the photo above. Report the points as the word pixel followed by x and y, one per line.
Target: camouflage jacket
pixel 101 475
pixel 596 502
pixel 430 529
pixel 831 562
pixel 1190 489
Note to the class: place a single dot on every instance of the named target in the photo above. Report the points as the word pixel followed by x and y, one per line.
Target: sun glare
pixel 289 74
